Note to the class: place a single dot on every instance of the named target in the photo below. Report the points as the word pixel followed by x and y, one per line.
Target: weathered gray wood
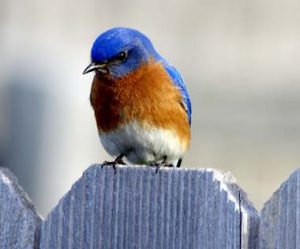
pixel 19 222
pixel 136 208
pixel 280 217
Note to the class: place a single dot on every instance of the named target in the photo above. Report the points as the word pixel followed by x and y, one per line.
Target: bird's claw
pixel 114 163
pixel 163 163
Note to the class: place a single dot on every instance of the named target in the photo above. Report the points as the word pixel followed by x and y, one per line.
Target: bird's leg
pixel 157 165
pixel 118 160
pixel 179 163
pixel 163 163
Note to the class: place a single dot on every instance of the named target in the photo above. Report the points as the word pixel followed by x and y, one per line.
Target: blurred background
pixel 240 60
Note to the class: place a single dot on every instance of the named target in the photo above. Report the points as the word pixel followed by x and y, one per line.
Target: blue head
pixel 120 51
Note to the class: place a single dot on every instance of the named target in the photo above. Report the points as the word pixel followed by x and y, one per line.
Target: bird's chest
pixel 115 104
pixel 107 107
pixel 146 96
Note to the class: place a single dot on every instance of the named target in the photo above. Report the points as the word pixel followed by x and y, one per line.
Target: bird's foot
pixel 114 163
pixel 163 163
pixel 179 163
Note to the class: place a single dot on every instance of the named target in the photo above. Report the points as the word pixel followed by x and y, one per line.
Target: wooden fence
pixel 137 208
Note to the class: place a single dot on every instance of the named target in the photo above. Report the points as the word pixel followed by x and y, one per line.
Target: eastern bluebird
pixel 141 104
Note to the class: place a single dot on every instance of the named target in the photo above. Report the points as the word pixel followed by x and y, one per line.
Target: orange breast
pixel 147 95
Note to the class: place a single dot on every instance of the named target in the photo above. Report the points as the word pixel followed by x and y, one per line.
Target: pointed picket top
pixel 136 208
pixel 280 217
pixel 19 221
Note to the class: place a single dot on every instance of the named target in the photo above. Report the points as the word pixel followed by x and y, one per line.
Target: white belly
pixel 143 144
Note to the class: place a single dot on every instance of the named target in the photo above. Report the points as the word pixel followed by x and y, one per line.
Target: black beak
pixel 102 68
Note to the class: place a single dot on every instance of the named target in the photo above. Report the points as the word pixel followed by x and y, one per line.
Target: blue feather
pixel 178 81
pixel 110 43
pixel 116 40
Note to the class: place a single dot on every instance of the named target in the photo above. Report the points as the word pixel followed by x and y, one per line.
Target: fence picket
pixel 131 202
pixel 19 221
pixel 280 217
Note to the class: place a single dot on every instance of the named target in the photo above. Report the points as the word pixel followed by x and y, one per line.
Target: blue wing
pixel 178 81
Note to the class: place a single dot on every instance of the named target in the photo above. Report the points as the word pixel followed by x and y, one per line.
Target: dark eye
pixel 121 56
